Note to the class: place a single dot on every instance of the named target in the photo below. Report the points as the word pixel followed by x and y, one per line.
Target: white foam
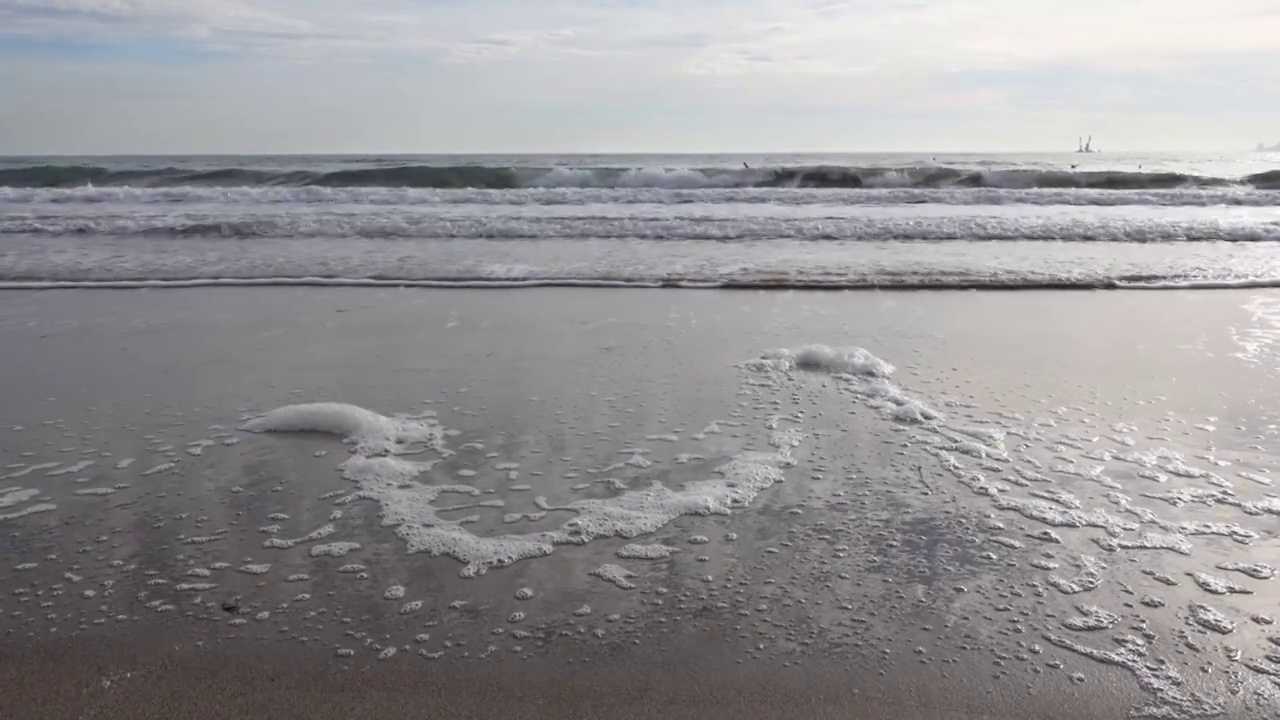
pixel 319 533
pixel 408 506
pixel 122 464
pixel 1059 517
pixel 70 469
pixel 368 432
pixel 1045 535
pixel 194 587
pixel 1255 477
pixel 1092 618
pixel 615 574
pixel 162 467
pixel 1148 541
pixel 1257 571
pixel 13 496
pixel 1173 700
pixel 30 469
pixel 254 569
pixel 29 510
pixel 1061 497
pixel 1090 577
pixel 1212 619
pixel 1217 585
pixel 635 551
pixel 337 549
pixel 824 359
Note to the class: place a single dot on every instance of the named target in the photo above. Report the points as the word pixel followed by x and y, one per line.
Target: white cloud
pixel 675 66
pixel 817 36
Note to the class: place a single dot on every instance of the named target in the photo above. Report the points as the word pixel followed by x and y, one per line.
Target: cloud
pixel 822 37
pixel 775 72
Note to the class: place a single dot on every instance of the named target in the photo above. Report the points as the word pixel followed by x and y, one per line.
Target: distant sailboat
pixel 1085 146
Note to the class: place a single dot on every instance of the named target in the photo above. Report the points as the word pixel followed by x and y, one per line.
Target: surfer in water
pixel 745 165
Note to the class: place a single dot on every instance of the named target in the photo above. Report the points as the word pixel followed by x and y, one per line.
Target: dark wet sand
pixel 106 359
pixel 136 678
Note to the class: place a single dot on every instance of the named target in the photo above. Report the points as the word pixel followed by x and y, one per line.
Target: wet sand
pixel 866 585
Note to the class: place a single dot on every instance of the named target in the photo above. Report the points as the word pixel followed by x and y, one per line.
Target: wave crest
pixel 508 178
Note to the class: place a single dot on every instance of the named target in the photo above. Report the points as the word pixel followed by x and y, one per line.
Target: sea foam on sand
pixel 409 505
pixel 863 374
pixel 369 432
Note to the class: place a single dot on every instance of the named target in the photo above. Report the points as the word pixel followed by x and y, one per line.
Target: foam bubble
pixel 13 496
pixel 70 468
pixel 1090 577
pixel 615 574
pixel 29 510
pixel 1217 585
pixel 635 551
pixel 156 470
pixel 1257 571
pixel 319 533
pixel 1058 517
pixel 1092 618
pixel 1255 477
pixel 1149 541
pixel 368 432
pixel 337 549
pixel 1211 619
pixel 30 469
pixel 1045 535
pixel 194 587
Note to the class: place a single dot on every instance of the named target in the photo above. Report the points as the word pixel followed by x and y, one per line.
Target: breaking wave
pixel 510 178
pixel 1234 196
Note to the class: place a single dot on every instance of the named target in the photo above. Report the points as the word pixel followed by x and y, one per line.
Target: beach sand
pixel 872 583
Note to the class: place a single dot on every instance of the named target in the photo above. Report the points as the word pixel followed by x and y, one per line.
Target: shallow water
pixel 892 539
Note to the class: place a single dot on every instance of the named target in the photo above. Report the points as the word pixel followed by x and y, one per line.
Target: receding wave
pixel 508 178
pixel 662 229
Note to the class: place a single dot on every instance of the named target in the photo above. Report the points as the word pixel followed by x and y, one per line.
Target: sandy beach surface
pixel 1011 505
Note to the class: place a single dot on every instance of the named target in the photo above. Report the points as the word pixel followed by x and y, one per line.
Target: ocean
pixel 899 220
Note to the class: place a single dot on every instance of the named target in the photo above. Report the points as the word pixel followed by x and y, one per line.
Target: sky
pixel 382 76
